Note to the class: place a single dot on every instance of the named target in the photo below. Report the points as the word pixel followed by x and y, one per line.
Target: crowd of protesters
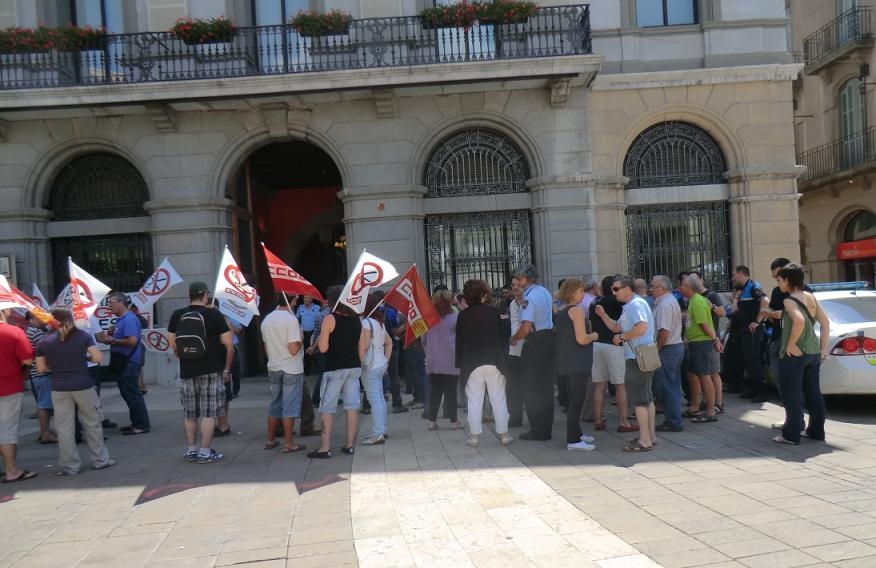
pixel 501 360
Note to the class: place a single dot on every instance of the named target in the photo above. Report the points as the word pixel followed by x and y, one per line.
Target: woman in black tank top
pixel 574 349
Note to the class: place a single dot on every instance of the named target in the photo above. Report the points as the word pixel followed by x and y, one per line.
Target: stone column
pixel 764 218
pixel 388 222
pixel 564 226
pixel 192 232
pixel 611 226
pixel 23 233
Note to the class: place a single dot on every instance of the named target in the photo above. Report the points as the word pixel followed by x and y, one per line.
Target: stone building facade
pixel 593 140
pixel 835 141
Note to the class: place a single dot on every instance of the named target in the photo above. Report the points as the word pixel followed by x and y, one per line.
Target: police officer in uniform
pixel 746 334
pixel 537 359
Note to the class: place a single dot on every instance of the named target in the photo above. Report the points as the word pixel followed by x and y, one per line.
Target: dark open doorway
pixel 286 196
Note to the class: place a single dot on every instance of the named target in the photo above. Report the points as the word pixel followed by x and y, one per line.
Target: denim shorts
pixel 342 383
pixel 42 386
pixel 287 390
pixel 639 391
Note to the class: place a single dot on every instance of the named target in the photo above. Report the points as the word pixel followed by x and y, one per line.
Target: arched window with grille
pixel 486 245
pixel 101 186
pixel 683 233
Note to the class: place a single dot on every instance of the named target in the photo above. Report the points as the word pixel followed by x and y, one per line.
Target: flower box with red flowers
pixel 315 24
pixel 194 31
pixel 43 39
pixel 501 12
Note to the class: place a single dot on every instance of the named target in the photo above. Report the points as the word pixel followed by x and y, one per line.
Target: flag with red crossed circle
pixel 86 293
pixel 8 300
pixel 156 286
pixel 237 299
pixel 287 280
pixel 368 273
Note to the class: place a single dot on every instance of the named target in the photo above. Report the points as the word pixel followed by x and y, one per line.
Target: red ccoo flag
pixel 287 280
pixel 410 297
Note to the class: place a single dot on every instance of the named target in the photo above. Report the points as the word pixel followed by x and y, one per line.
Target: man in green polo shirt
pixel 701 340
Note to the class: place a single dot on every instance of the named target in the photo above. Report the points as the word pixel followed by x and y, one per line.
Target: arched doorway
pixel 678 230
pixel 88 194
pixel 285 195
pixel 487 245
pixel 858 249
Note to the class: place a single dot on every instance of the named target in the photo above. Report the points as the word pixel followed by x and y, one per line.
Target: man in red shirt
pixel 16 354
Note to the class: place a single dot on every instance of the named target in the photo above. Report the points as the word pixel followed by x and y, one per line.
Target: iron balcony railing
pixel 839 157
pixel 852 26
pixel 270 50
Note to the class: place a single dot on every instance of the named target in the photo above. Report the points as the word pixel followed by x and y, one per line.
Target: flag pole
pixel 287 300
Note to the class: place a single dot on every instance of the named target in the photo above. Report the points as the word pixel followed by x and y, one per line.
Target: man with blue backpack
pixel 202 340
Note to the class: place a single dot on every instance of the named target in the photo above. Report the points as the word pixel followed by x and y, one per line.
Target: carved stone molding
pixel 163 117
pixel 276 119
pixel 559 91
pixel 384 102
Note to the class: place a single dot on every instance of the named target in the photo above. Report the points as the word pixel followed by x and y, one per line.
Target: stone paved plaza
pixel 718 495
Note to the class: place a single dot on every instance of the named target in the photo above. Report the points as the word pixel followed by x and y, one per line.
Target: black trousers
pixel 577 384
pixel 746 355
pixel 537 377
pixel 512 390
pixel 443 385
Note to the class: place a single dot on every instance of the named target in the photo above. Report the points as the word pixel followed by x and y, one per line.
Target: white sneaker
pixel 505 439
pixel 581 446
pixel 588 439
pixel 472 441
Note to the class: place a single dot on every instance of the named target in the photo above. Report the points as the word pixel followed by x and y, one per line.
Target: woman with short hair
pixel 440 344
pixel 66 353
pixel 801 353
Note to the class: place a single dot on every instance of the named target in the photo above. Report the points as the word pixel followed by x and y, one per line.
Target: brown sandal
pixel 292 450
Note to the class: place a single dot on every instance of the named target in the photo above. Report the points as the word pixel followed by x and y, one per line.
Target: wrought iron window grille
pixel 475 162
pixel 674 154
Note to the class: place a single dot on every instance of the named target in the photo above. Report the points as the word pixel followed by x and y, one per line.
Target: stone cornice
pixel 380 192
pixel 775 72
pixel 597 181
pixel 763 198
pixel 749 174
pixel 25 214
pixel 188 204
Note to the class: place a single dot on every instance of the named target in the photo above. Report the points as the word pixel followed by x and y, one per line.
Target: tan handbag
pixel 647 358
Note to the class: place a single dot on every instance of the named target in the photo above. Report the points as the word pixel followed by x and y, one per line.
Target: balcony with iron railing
pixel 846 33
pixel 278 50
pixel 838 160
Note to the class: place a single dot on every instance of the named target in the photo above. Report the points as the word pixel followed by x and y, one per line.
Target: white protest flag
pixel 237 299
pixel 156 285
pixel 64 299
pixel 38 297
pixel 368 273
pixel 7 298
pixel 87 292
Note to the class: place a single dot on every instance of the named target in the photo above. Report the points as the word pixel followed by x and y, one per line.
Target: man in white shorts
pixel 608 359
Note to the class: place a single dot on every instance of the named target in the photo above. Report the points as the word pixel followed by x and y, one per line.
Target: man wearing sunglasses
pixel 635 327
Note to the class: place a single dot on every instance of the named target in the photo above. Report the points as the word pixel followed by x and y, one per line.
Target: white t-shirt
pixel 279 329
pixel 378 337
pixel 514 309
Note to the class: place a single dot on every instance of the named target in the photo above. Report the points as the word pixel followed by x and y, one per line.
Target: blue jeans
pixel 667 383
pixel 415 367
pixel 372 379
pixel 800 376
pixel 129 388
pixel 287 390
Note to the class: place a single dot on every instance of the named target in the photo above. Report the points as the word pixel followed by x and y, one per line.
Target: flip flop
pixel 272 445
pixel 298 448
pixel 782 440
pixel 48 441
pixel 133 432
pixel 24 476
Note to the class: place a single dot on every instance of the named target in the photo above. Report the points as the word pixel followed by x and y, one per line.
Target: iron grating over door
pixel 672 238
pixel 122 262
pixel 487 246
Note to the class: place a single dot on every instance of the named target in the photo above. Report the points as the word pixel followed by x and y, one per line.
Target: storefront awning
pixel 865 248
